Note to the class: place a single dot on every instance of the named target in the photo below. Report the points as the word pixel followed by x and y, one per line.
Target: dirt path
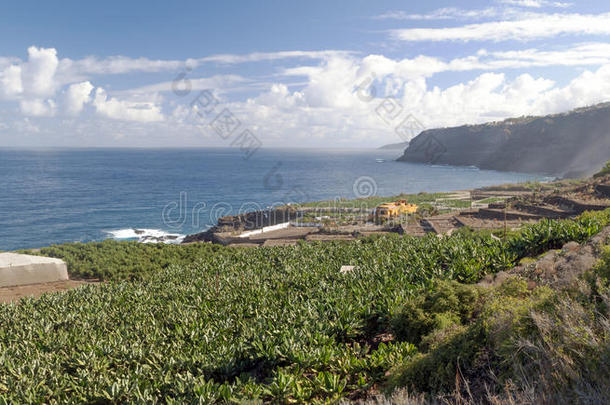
pixel 10 294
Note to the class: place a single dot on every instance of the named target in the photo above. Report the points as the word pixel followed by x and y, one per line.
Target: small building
pixel 391 210
pixel 17 269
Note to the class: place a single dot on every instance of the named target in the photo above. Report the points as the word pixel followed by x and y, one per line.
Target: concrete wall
pixel 265 229
pixel 17 269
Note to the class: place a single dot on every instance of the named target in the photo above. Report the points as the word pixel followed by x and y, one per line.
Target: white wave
pixel 146 235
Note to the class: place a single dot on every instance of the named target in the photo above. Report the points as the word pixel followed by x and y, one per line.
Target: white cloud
pixel 80 69
pixel 117 65
pixel 491 96
pixel 519 9
pixel 34 78
pixel 37 74
pixel 588 54
pixel 420 66
pixel 590 87
pixel 329 110
pixel 26 126
pixel 6 61
pixel 447 13
pixel 38 107
pixel 267 56
pixel 187 83
pixel 32 82
pixel 76 97
pixel 534 27
pixel 126 110
pixel 10 81
pixel 536 3
pixel 324 108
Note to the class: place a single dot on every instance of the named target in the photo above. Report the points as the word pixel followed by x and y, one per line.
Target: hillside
pixel 516 316
pixel 209 324
pixel 571 144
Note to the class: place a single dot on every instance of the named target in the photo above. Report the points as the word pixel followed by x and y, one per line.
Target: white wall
pixel 265 229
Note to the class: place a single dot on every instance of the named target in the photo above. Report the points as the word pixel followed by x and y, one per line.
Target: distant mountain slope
pixel 393 146
pixel 571 144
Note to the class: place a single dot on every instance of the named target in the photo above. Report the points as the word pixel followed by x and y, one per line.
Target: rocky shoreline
pixel 489 208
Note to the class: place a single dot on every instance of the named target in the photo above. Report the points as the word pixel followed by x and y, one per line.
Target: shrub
pixel 603 267
pixel 556 343
pixel 114 260
pixel 448 304
pixel 604 171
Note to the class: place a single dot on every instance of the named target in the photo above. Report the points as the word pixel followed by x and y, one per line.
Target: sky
pixel 289 74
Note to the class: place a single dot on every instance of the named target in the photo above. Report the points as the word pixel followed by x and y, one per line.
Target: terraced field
pixel 276 324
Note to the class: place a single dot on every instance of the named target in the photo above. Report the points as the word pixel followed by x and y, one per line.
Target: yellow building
pixel 390 210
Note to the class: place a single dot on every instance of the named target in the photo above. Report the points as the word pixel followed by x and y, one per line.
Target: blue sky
pixel 291 73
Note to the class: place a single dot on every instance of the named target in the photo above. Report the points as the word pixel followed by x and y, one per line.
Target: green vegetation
pixel 372 202
pixel 486 233
pixel 112 260
pixel 456 203
pixel 535 239
pixel 468 255
pixel 275 324
pixel 535 186
pixel 553 345
pixel 491 200
pixel 426 210
pixel 604 171
pixel 358 210
pixel 603 267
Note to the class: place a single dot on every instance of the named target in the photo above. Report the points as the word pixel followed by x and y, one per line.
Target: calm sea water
pixel 55 196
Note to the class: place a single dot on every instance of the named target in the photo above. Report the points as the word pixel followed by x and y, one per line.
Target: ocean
pixel 56 196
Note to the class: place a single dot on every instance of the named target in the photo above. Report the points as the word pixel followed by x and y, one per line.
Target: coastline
pixel 311 218
pixel 129 189
pixel 506 205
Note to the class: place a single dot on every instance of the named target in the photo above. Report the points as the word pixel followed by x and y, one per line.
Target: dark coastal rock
pixel 257 219
pixel 207 236
pixel 603 190
pixel 244 222
pixel 572 144
pixel 158 239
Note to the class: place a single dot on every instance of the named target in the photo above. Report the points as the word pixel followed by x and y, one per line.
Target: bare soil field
pixel 11 294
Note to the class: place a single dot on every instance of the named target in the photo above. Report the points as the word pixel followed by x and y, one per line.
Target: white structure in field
pixel 259 231
pixel 347 269
pixel 17 269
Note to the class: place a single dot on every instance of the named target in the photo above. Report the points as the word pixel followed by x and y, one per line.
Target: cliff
pixel 572 144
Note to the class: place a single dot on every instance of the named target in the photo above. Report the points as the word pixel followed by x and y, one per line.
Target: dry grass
pixel 510 396
pixel 547 348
